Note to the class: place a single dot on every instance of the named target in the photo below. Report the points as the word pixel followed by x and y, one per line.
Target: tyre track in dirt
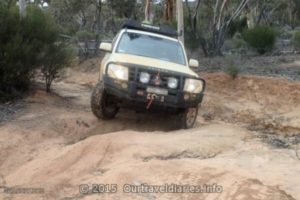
pixel 56 143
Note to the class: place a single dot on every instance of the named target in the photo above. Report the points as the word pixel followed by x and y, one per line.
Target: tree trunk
pixel 97 27
pixel 169 10
pixel 48 82
pixel 203 44
pixel 147 11
pixel 189 13
pixel 180 23
pixel 221 25
pixel 195 16
pixel 22 4
pixel 261 14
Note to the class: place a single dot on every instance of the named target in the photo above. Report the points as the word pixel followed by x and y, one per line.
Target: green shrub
pixel 233 70
pixel 297 40
pixel 238 26
pixel 261 38
pixel 19 50
pixel 56 57
pixel 22 45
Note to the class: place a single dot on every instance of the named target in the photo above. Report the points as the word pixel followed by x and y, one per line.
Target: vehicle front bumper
pixel 134 94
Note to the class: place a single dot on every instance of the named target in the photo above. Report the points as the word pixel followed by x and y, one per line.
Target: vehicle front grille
pixel 134 75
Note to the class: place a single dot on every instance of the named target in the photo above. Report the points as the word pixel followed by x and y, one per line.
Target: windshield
pixel 151 46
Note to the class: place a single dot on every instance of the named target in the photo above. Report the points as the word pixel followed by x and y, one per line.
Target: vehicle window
pixel 151 46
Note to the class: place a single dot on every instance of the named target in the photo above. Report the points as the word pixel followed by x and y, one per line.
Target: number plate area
pixel 159 91
pixel 156 94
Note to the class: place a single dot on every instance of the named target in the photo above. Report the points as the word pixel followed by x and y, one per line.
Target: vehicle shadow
pixel 140 122
pixel 129 120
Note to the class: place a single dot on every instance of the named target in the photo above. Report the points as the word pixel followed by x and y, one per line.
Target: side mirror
pixel 106 46
pixel 193 63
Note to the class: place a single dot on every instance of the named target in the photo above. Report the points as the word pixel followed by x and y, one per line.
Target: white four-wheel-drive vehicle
pixel 146 69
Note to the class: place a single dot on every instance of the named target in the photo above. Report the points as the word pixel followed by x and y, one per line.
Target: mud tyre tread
pixel 98 104
pixel 188 122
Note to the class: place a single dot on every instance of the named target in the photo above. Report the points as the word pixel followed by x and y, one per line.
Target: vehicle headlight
pixel 173 83
pixel 118 72
pixel 144 77
pixel 193 86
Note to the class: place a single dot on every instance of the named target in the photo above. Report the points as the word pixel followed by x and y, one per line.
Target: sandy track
pixel 222 154
pixel 54 142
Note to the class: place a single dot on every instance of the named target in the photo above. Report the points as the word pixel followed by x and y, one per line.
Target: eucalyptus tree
pixel 211 21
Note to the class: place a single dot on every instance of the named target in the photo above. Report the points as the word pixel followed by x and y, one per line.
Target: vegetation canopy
pixel 23 42
pixel 261 38
pixel 29 28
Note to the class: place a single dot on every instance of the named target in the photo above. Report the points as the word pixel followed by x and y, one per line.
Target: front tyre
pixel 103 106
pixel 188 117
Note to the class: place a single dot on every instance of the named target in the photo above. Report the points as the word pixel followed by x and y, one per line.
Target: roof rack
pixel 163 29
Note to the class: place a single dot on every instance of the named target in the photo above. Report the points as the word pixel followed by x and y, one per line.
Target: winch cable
pixel 152 98
pixel 150 103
